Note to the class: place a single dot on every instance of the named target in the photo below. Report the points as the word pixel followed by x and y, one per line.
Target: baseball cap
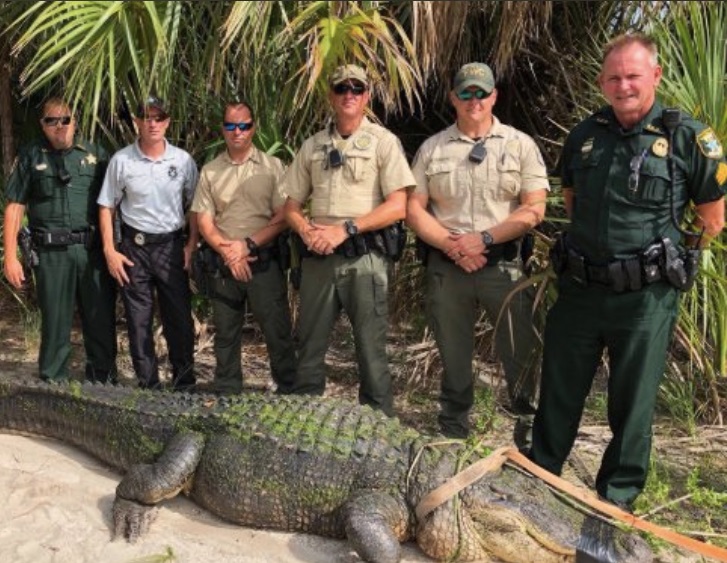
pixel 152 102
pixel 474 74
pixel 348 72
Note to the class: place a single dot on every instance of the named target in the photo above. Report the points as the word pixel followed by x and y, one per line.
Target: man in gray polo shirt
pixel 151 183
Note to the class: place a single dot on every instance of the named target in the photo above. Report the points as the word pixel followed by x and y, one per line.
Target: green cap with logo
pixel 348 72
pixel 474 74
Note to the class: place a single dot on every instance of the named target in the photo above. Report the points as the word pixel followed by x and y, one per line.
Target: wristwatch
pixel 351 228
pixel 251 246
pixel 487 239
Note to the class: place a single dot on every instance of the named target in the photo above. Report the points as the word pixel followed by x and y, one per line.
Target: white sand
pixel 55 506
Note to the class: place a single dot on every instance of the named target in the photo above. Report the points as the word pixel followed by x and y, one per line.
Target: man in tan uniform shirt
pixel 355 175
pixel 481 186
pixel 240 215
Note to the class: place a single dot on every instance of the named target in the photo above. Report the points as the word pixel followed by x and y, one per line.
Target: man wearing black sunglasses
pixel 240 215
pixel 151 184
pixel 481 186
pixel 354 173
pixel 56 180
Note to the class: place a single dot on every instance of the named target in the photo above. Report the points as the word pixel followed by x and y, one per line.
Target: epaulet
pixel 654 128
pixel 601 117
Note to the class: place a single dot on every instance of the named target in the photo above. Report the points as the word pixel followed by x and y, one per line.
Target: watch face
pixel 487 239
pixel 351 228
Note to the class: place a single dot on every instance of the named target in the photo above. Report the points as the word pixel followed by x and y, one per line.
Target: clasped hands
pixel 467 251
pixel 323 239
pixel 236 256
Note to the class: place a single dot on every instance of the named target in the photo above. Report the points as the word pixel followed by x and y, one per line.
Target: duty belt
pixel 60 237
pixel 628 274
pixel 141 238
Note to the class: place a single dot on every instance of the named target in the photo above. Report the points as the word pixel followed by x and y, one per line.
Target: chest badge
pixel 660 147
pixel 586 148
pixel 362 142
pixel 173 172
pixel 90 159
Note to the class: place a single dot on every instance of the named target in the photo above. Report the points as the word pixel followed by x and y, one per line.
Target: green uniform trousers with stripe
pixel 636 329
pixel 66 276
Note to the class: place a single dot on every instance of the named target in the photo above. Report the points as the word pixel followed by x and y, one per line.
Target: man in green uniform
pixel 240 215
pixel 481 185
pixel 355 175
pixel 57 180
pixel 628 173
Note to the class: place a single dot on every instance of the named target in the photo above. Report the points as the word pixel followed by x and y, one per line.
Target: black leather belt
pixel 141 238
pixel 60 237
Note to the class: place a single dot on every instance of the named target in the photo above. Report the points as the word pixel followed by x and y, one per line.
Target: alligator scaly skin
pixel 321 466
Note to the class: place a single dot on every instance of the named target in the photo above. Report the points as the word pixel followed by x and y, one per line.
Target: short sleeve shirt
pixel 241 198
pixel 153 193
pixel 374 167
pixel 468 196
pixel 36 182
pixel 622 182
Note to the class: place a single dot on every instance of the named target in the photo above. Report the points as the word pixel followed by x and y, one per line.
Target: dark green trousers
pixel 267 296
pixel 454 299
pixel 635 328
pixel 359 286
pixel 67 276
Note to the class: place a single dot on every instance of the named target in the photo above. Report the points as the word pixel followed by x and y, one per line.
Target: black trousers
pixel 159 268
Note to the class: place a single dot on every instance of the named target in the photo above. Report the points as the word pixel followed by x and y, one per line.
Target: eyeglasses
pixel 635 166
pixel 154 118
pixel 341 89
pixel 56 121
pixel 480 94
pixel 242 126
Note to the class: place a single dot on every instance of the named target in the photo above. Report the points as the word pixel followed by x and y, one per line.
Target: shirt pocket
pixel 509 178
pixel 442 178
pixel 44 183
pixel 654 183
pixel 360 166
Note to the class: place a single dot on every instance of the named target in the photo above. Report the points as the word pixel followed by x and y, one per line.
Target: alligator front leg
pixel 375 525
pixel 145 485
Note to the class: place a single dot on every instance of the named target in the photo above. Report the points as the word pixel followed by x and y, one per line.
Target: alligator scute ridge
pixel 306 464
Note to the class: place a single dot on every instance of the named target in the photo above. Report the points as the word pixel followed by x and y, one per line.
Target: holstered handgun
pixel 27 250
pixel 559 253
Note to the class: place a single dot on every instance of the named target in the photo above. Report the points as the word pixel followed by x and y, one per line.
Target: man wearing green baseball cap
pixel 481 186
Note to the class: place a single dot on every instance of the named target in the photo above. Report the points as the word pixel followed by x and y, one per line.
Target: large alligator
pixel 305 464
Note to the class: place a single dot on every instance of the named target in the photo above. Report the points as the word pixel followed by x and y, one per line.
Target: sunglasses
pixel 480 94
pixel 342 89
pixel 56 121
pixel 242 126
pixel 635 166
pixel 154 118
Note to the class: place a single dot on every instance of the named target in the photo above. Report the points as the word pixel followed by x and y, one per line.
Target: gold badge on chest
pixel 660 147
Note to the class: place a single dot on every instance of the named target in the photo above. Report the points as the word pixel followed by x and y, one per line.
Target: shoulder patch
pixel 709 144
pixel 721 174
